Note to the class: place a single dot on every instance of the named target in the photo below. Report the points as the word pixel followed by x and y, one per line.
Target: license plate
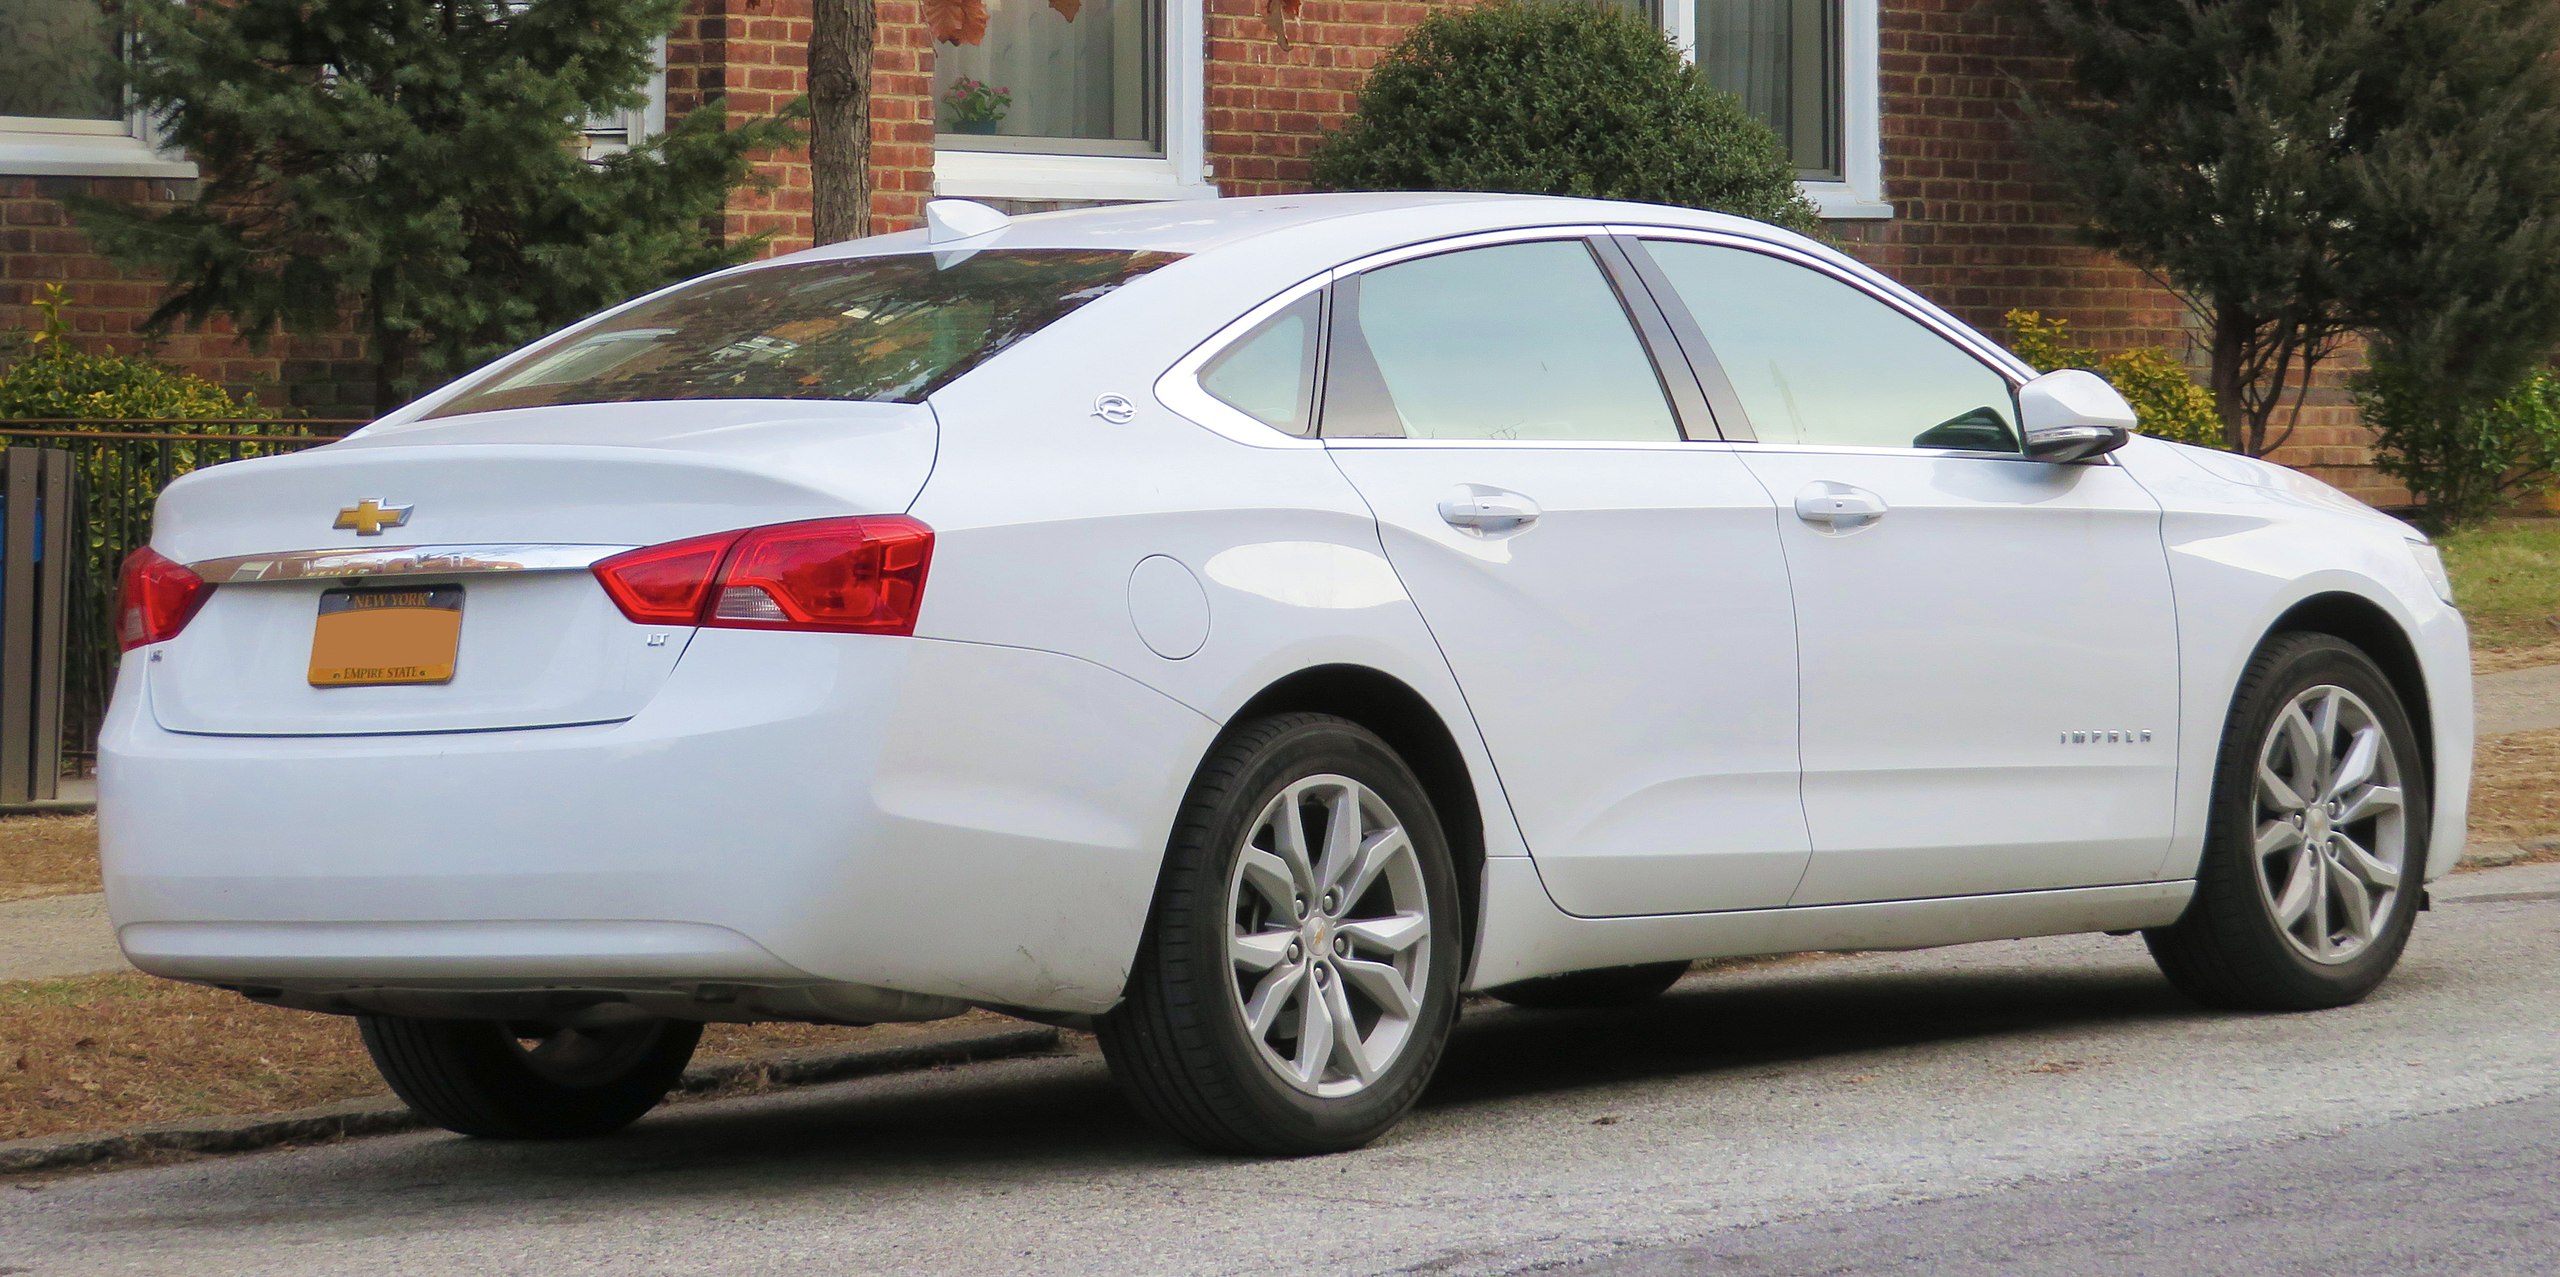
pixel 369 637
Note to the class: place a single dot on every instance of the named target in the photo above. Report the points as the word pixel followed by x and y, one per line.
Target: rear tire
pixel 1293 992
pixel 478 1077
pixel 2316 849
pixel 1607 987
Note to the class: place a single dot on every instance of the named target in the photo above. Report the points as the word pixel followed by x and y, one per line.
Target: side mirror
pixel 2072 415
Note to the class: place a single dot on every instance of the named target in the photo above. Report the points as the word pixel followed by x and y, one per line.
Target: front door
pixel 1611 598
pixel 1988 643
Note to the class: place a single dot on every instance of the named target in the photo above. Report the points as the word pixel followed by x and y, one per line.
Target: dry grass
pixel 110 1052
pixel 47 856
pixel 2507 578
pixel 2515 791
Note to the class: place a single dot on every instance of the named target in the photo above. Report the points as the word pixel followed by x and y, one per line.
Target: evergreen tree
pixel 2460 253
pixel 2301 170
pixel 2206 138
pixel 417 163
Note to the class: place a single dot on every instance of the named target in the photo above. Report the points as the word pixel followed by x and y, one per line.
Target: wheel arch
pixel 1409 724
pixel 2356 619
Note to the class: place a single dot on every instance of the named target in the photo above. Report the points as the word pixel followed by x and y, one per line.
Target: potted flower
pixel 975 105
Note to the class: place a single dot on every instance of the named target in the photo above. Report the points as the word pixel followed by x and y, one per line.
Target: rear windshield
pixel 890 329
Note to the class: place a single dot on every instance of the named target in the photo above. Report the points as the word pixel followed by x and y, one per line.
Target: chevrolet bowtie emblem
pixel 369 517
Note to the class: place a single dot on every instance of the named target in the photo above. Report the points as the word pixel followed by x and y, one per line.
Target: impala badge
pixel 2117 737
pixel 370 516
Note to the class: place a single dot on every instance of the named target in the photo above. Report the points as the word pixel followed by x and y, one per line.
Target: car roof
pixel 1347 223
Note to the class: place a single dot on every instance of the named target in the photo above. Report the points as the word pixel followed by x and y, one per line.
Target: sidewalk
pixel 63 936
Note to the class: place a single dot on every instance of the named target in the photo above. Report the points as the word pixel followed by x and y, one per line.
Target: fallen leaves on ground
pixel 47 856
pixel 111 1052
pixel 2515 787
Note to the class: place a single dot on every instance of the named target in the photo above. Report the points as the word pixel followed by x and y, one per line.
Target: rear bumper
pixel 958 820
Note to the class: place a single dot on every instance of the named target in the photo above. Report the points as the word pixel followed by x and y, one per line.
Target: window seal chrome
pixel 1912 306
pixel 400 561
pixel 1179 388
pixel 1180 391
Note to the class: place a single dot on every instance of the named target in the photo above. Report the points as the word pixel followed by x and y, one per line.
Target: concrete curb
pixel 51 807
pixel 2498 855
pixel 382 1117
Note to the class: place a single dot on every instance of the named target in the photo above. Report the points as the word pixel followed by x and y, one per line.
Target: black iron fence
pixel 118 468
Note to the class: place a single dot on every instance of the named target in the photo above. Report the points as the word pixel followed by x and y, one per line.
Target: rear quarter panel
pixel 1042 510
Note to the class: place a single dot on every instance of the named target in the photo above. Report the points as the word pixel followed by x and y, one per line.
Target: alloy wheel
pixel 2332 834
pixel 1328 940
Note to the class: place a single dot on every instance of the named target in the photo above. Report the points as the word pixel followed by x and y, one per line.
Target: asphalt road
pixel 2044 1106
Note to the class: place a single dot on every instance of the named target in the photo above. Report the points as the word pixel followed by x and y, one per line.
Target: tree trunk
pixel 392 352
pixel 2231 332
pixel 840 44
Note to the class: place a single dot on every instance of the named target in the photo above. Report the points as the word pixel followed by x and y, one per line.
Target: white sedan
pixel 1243 629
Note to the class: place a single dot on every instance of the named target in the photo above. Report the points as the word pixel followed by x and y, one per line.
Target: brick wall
pixel 1979 229
pixel 322 375
pixel 754 55
pixel 1269 103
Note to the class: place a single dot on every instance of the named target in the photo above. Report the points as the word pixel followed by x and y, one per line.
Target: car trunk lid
pixel 510 508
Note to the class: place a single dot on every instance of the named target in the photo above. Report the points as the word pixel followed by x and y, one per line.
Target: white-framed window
pixel 61 111
pixel 1071 100
pixel 1808 69
pixel 608 133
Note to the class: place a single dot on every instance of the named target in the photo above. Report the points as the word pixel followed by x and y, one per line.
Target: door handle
pixel 1489 510
pixel 1837 507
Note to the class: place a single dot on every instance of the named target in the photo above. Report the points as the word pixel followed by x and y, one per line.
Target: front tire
pixel 1299 973
pixel 2317 844
pixel 496 1080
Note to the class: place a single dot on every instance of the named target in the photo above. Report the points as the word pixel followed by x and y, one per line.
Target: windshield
pixel 890 329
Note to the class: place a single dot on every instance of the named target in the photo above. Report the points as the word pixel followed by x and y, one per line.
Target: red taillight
pixel 666 584
pixel 848 576
pixel 158 598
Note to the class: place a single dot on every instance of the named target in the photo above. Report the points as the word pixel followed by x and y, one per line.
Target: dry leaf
pixel 1276 15
pixel 956 21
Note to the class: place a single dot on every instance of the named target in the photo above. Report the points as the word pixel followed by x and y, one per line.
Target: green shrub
pixel 2461 467
pixel 47 378
pixel 1558 98
pixel 2167 402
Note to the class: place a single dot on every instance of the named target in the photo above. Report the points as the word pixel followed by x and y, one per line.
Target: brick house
pixel 1898 114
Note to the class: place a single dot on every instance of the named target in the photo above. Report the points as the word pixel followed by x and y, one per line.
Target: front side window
pixel 889 329
pixel 1517 341
pixel 1782 58
pixel 1814 360
pixel 58 67
pixel 1076 77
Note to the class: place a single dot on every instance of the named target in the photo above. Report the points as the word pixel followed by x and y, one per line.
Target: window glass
pixel 1049 76
pixel 1519 341
pixel 882 328
pixel 1816 361
pixel 57 61
pixel 1270 374
pixel 1782 57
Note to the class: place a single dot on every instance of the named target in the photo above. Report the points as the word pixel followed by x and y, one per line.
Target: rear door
pixel 1610 595
pixel 1988 643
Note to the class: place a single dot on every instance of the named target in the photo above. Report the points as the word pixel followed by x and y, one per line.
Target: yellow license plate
pixel 370 637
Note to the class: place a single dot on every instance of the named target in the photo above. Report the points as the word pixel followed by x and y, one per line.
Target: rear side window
pixel 1516 341
pixel 888 329
pixel 1270 374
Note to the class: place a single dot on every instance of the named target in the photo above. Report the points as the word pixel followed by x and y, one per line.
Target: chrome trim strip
pixel 401 560
pixel 1873 283
pixel 1179 388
